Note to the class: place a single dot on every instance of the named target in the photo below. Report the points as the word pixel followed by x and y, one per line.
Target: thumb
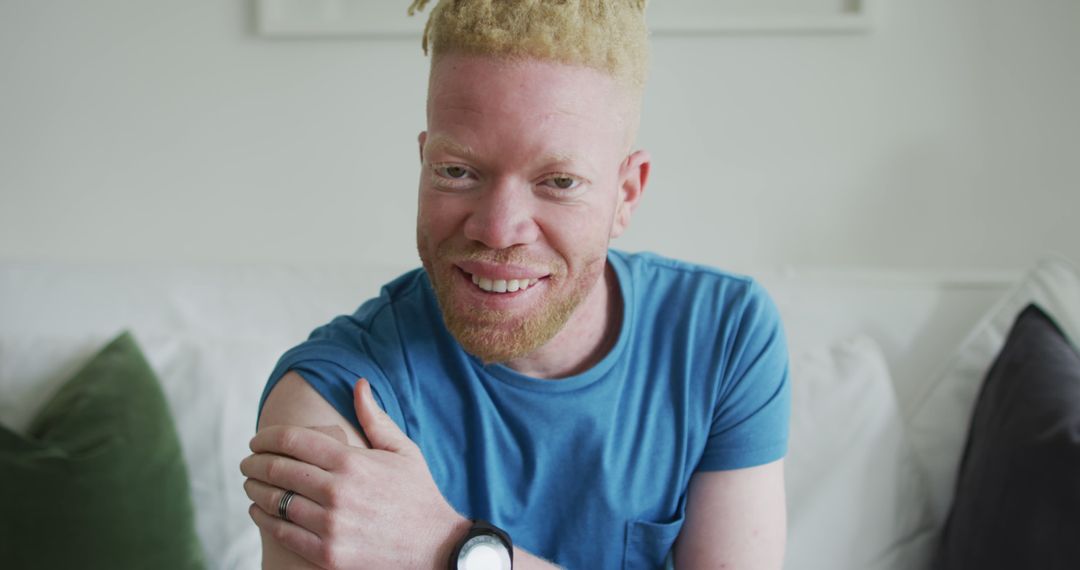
pixel 381 431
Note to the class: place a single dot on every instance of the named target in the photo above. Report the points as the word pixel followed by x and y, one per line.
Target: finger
pixel 333 431
pixel 300 511
pixel 380 430
pixel 306 444
pixel 288 473
pixel 304 543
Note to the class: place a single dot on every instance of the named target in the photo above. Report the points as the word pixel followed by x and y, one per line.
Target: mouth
pixel 502 284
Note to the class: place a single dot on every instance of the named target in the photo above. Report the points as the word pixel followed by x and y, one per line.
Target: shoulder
pixel 376 314
pixel 365 344
pixel 680 286
pixel 651 269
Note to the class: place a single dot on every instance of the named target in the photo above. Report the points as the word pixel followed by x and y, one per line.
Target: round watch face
pixel 484 552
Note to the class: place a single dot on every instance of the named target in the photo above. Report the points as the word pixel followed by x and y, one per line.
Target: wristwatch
pixel 485 547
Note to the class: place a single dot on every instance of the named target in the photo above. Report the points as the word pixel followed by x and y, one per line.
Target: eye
pixel 563 182
pixel 453 172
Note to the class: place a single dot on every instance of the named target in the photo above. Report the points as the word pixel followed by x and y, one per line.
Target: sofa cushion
pixel 855 495
pixel 1017 501
pixel 940 417
pixel 98 479
pixel 211 333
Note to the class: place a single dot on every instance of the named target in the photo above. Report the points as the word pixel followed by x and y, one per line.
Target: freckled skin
pixel 503 139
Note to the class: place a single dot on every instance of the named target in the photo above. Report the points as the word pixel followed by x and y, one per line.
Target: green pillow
pixel 99 480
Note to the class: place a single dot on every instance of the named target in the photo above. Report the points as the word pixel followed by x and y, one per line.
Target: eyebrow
pixel 445 143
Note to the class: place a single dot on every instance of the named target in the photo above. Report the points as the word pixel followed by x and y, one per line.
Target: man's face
pixel 522 187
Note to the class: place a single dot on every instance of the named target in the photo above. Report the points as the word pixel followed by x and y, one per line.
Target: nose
pixel 503 216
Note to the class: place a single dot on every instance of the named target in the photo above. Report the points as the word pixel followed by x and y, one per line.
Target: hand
pixel 354 507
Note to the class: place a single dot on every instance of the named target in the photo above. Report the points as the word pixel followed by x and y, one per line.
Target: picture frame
pixel 705 17
pixel 387 18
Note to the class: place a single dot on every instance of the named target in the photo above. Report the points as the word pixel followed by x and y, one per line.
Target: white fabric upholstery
pixel 214 333
pixel 855 494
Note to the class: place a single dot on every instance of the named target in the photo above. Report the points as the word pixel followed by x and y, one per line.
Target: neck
pixel 589 334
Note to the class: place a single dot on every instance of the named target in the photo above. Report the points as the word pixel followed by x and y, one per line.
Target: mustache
pixel 514 255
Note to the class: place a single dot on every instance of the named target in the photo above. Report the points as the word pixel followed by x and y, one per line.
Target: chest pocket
pixel 648 544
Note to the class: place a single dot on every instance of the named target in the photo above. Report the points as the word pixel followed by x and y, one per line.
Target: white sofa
pixel 878 418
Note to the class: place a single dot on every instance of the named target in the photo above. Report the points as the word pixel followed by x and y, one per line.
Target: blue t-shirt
pixel 589 471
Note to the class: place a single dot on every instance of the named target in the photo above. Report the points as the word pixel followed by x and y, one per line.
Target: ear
pixel 633 176
pixel 422 139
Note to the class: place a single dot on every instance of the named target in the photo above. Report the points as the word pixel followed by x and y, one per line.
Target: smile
pixel 502 285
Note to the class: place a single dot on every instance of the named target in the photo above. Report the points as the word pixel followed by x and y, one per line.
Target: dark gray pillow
pixel 1017 501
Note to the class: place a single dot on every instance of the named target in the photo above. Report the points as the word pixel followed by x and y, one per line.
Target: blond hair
pixel 609 35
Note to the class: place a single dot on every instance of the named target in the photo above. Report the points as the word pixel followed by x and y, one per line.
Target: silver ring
pixel 283 505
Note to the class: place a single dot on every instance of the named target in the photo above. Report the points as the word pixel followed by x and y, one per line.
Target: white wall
pixel 166 130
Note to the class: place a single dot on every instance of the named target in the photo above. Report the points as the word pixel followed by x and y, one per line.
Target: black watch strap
pixel 482 528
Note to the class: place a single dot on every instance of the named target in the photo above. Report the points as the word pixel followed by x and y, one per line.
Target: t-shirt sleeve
pixel 333 370
pixel 753 405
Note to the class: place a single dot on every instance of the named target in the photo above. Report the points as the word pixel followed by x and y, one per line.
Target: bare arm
pixel 734 519
pixel 294 402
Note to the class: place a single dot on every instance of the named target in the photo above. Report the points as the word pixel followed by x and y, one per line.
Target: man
pixel 597 409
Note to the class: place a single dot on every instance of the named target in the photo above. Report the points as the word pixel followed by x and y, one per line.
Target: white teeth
pixel 503 285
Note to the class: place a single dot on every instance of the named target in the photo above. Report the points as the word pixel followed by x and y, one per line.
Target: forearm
pixel 277 557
